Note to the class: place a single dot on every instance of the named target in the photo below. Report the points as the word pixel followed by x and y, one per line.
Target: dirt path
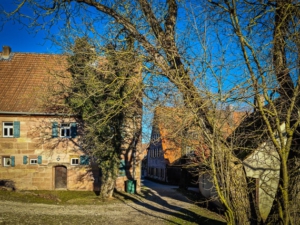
pixel 160 203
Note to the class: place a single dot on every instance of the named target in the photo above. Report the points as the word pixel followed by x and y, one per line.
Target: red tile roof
pixel 24 80
pixel 171 122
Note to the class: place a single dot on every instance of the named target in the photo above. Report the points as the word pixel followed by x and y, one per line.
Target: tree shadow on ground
pixel 177 212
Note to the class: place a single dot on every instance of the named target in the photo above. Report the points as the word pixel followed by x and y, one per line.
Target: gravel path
pixel 161 202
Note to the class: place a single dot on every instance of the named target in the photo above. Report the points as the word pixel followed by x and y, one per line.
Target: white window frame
pixel 66 128
pixel 5 160
pixel 75 164
pixel 33 161
pixel 9 128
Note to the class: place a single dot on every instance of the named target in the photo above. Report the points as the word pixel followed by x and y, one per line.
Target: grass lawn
pixel 58 197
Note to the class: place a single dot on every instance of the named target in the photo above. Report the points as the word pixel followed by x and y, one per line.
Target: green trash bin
pixel 130 186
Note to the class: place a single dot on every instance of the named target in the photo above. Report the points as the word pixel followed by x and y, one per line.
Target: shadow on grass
pixel 178 215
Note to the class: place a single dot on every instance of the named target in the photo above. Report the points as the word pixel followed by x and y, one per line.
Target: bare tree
pixel 263 34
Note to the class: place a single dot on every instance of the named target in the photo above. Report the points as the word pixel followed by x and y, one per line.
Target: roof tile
pixel 24 79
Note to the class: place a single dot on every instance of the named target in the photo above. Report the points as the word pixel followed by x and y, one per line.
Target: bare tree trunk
pixel 107 185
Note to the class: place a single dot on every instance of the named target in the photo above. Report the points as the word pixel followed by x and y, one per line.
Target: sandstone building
pixel 39 148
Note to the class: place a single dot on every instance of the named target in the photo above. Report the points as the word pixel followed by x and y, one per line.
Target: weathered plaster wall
pixel 264 166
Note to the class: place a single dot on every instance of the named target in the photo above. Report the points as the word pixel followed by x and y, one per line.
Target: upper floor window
pixel 66 130
pixel 8 129
pixel 11 129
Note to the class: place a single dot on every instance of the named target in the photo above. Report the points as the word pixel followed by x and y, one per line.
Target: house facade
pixel 40 149
pixel 166 148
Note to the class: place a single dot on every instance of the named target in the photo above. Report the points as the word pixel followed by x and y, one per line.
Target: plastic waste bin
pixel 130 186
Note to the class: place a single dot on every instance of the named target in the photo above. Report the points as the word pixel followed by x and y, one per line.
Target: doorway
pixel 60 177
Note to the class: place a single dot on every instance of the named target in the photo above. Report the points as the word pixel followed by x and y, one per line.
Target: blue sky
pixel 20 39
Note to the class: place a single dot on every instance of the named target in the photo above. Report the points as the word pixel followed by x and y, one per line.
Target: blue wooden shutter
pixel 73 130
pixel 12 161
pixel 16 129
pixel 25 159
pixel 122 168
pixel 54 129
pixel 84 160
pixel 39 159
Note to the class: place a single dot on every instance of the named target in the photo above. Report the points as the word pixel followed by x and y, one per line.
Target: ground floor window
pixel 8 161
pixel 75 161
pixel 33 161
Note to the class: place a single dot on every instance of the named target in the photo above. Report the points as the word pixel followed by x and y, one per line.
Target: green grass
pixel 59 197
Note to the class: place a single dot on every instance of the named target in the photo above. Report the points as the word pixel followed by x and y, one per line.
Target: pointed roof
pixel 25 80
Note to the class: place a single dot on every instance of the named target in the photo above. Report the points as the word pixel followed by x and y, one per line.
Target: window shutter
pixel 16 129
pixel 12 162
pixel 39 159
pixel 122 168
pixel 54 129
pixel 25 159
pixel 84 160
pixel 73 130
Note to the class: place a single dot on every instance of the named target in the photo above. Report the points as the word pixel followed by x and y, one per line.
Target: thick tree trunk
pixel 107 186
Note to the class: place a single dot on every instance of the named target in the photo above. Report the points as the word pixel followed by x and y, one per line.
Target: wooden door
pixel 60 177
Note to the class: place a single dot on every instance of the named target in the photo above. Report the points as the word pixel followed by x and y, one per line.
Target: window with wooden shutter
pixel 11 129
pixel 16 129
pixel 39 159
pixel 84 160
pixel 54 129
pixel 25 159
pixel 12 161
pixel 73 130
pixel 122 168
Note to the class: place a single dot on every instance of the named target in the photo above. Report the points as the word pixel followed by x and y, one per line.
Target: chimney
pixel 6 52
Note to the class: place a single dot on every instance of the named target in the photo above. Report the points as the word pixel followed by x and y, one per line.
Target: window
pixel 75 161
pixel 33 161
pixel 122 168
pixel 11 129
pixel 67 130
pixel 8 129
pixel 8 161
pixel 85 160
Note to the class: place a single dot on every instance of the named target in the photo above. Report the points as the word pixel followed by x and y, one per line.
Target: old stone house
pixel 40 148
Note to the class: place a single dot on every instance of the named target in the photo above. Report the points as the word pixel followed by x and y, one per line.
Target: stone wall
pixel 36 141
